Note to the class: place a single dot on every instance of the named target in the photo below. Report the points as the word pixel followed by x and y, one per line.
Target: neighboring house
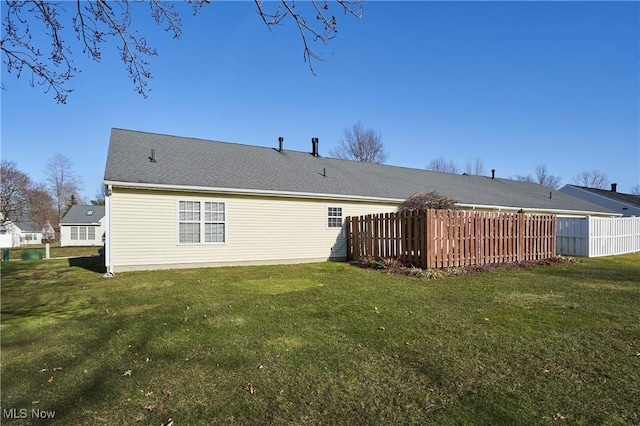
pixel 10 235
pixel 182 202
pixel 18 234
pixel 625 204
pixel 30 233
pixel 83 226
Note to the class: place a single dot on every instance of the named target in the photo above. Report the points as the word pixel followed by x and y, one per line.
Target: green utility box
pixel 31 255
pixel 5 255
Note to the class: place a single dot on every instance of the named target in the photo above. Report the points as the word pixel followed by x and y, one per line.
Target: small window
pixel 334 217
pixel 74 233
pixel 89 212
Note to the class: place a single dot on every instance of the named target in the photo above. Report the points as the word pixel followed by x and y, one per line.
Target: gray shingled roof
pixel 630 199
pixel 78 215
pixel 28 226
pixel 188 162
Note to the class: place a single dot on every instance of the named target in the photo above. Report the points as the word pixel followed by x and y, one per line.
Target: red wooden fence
pixel 446 238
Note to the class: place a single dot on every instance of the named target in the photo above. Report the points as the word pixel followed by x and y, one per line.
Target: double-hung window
pixel 201 222
pixel 334 217
pixel 83 233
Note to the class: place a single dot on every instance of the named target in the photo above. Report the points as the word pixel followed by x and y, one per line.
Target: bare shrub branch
pixel 427 200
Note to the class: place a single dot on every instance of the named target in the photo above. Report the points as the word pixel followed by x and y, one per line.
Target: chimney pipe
pixel 314 145
pixel 614 187
pixel 152 158
pixel 493 174
pixel 280 141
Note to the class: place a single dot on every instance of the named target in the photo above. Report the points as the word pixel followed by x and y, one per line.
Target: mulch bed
pixel 392 266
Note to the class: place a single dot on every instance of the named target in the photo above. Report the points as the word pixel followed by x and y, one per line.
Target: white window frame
pixel 331 213
pixel 82 233
pixel 202 219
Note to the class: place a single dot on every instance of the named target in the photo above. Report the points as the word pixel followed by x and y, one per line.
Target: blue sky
pixel 515 84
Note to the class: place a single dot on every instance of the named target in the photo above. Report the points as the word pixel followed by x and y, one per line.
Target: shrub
pixel 428 200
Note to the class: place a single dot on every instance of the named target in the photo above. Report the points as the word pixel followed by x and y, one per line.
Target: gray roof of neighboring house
pixel 188 162
pixel 28 226
pixel 630 199
pixel 87 215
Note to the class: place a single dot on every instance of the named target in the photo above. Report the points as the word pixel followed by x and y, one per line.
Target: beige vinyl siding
pixel 258 230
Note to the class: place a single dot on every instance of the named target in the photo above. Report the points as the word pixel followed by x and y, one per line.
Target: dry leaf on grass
pixel 166 392
pixel 127 373
pixel 250 388
pixel 559 416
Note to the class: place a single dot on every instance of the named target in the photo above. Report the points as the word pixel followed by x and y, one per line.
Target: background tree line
pixel 359 143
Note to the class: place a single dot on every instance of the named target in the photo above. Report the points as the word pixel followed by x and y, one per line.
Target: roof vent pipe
pixel 280 143
pixel 614 187
pixel 152 158
pixel 493 174
pixel 314 146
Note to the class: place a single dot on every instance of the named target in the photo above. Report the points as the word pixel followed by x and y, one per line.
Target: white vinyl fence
pixel 596 236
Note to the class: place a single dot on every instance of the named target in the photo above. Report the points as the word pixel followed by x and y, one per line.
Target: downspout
pixel 107 240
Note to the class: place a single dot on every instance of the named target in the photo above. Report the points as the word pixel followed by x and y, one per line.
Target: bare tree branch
pixel 96 22
pixel 14 187
pixel 474 167
pixel 323 30
pixel 360 144
pixel 62 182
pixel 546 179
pixel 20 54
pixel 441 165
pixel 592 179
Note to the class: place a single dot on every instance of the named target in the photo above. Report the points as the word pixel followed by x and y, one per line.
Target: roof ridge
pixel 302 152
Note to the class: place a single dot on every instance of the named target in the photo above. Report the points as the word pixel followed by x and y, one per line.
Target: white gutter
pixel 261 192
pixel 557 212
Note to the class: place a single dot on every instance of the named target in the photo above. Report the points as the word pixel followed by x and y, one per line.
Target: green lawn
pixel 325 343
pixel 54 251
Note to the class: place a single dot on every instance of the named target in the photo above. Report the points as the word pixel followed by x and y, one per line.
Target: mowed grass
pixel 325 343
pixel 54 251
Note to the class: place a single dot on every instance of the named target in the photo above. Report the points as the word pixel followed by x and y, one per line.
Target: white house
pixel 625 204
pixel 83 226
pixel 22 233
pixel 180 202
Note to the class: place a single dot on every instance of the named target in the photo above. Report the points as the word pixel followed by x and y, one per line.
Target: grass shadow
pixel 90 263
